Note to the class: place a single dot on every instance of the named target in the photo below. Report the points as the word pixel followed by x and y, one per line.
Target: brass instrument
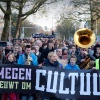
pixel 28 61
pixel 84 38
pixel 85 64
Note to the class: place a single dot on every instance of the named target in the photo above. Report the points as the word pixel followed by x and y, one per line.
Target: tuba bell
pixel 84 38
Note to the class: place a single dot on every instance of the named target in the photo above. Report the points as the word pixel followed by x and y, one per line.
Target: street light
pixel 75 26
pixel 10 29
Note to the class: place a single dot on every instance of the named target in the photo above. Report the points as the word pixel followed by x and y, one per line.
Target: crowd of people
pixel 52 52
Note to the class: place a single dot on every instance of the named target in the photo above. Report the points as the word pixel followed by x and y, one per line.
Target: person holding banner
pixel 10 59
pixel 52 61
pixel 72 63
pixel 28 58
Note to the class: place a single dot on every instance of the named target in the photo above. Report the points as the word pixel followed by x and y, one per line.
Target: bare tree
pixel 67 27
pixel 7 12
pixel 88 8
pixel 26 8
pixel 20 5
pixel 5 6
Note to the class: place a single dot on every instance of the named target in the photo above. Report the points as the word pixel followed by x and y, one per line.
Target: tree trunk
pixel 91 15
pixel 5 32
pixel 19 21
pixel 92 24
pixel 17 31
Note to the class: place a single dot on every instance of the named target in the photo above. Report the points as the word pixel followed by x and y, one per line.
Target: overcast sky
pixel 53 13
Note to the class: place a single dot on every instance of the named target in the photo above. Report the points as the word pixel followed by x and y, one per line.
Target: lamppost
pixel 10 29
pixel 75 27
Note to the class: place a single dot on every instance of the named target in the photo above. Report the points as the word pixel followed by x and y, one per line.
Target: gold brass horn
pixel 84 38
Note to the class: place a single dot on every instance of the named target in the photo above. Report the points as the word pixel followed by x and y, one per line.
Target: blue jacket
pixel 22 59
pixel 75 67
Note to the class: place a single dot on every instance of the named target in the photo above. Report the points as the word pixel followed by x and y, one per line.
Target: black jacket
pixel 8 62
pixel 56 64
pixel 44 55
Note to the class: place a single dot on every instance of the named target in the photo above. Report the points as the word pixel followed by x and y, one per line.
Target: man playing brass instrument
pixel 84 58
pixel 28 58
pixel 84 38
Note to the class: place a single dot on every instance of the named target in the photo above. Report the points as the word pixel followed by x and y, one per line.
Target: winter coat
pixel 75 67
pixel 22 59
pixel 56 64
pixel 44 54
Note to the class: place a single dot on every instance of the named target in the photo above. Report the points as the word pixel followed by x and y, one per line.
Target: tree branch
pixel 15 7
pixel 9 0
pixel 5 0
pixel 2 9
pixel 24 18
pixel 51 2
pixel 35 8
